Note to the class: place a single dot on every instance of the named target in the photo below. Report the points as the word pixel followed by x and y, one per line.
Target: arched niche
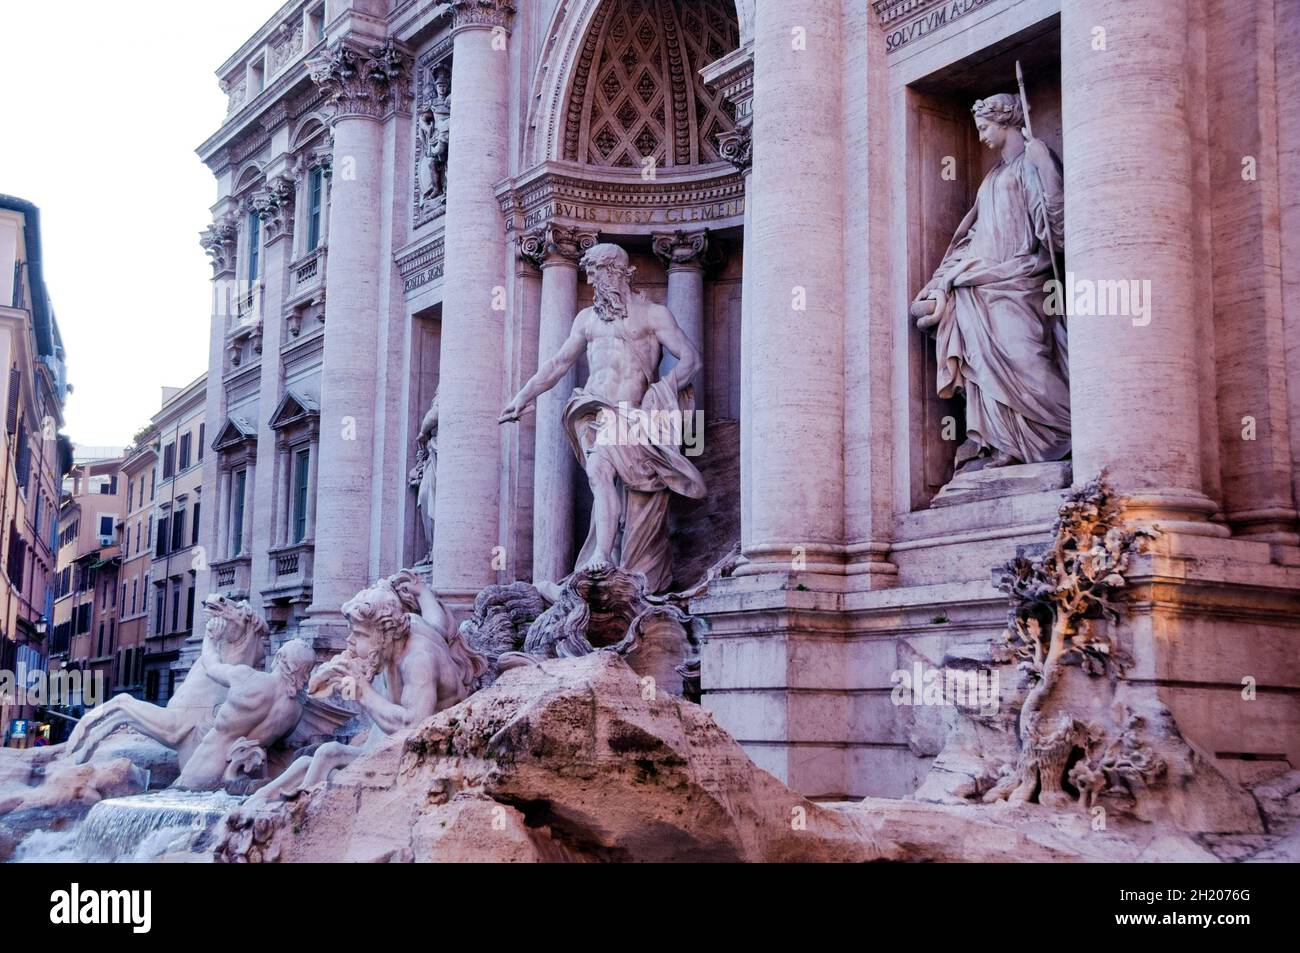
pixel 617 74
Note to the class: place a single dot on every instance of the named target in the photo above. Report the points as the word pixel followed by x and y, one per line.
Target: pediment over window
pixel 294 408
pixel 236 432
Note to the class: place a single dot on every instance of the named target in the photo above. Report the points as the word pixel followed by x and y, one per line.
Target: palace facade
pixel 405 189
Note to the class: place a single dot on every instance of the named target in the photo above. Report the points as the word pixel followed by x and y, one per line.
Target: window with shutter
pixel 11 413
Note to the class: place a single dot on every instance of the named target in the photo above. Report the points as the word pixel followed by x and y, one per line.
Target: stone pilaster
pixel 1136 381
pixel 274 204
pixel 219 240
pixel 556 250
pixel 474 308
pixel 365 81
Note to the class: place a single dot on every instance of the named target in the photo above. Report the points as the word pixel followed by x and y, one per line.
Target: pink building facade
pixel 405 189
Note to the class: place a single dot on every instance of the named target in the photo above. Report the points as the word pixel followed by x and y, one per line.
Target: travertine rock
pixel 568 760
pixel 1070 731
pixel 43 793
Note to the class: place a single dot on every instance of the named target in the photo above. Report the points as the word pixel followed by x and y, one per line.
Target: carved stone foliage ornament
pixel 546 243
pixel 1057 601
pixel 1070 729
pixel 274 204
pixel 481 13
pixel 218 240
pixel 361 79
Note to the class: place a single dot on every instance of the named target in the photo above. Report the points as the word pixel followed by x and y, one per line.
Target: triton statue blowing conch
pixel 985 305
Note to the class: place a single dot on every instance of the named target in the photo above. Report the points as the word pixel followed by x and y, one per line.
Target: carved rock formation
pixel 1070 731
pixel 609 610
pixel 570 760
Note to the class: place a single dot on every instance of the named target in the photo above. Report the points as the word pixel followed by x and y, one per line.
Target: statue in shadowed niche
pixel 425 471
pixel 434 137
pixel 995 341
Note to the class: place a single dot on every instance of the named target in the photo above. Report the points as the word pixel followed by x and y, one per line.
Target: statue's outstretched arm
pixel 549 373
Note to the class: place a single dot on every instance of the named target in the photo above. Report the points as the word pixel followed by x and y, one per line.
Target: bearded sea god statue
pixel 616 421
pixel 985 305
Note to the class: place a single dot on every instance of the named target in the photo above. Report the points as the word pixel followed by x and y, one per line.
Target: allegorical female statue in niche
pixel 424 474
pixel 985 305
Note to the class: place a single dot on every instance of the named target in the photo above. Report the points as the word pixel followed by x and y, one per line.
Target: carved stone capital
pixel 551 243
pixel 681 249
pixel 362 79
pixel 218 240
pixel 274 205
pixel 481 14
pixel 737 147
pixel 322 158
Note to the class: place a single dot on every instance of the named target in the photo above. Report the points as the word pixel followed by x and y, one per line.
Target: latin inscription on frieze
pixel 602 215
pixel 898 35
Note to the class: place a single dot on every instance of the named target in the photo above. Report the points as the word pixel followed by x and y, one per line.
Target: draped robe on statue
pixel 648 467
pixel 994 341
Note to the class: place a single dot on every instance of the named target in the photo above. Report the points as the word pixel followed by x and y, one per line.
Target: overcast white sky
pixel 101 108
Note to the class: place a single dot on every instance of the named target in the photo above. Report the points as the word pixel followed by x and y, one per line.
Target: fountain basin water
pixel 139 827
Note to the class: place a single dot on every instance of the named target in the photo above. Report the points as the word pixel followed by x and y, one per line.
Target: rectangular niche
pixel 944 165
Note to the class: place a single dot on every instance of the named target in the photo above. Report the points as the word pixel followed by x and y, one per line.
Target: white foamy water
pixel 139 827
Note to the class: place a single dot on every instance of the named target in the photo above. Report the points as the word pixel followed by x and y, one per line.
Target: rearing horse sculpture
pixel 237 633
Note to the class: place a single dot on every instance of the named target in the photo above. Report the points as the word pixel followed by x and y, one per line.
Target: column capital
pixel 737 147
pixel 362 77
pixel 274 204
pixel 218 240
pixel 481 14
pixel 555 244
pixel 681 249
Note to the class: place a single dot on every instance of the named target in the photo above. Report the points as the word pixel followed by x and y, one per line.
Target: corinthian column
pixel 556 251
pixel 471 366
pixel 1135 380
pixel 683 256
pixel 792 449
pixel 363 78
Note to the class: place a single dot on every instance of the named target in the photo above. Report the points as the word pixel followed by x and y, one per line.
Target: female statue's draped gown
pixel 994 341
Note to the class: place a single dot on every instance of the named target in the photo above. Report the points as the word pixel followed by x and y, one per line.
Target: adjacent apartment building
pixel 33 454
pixel 85 622
pixel 176 489
pixel 127 534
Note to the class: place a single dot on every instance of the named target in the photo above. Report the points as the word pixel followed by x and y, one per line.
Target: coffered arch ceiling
pixel 636 90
